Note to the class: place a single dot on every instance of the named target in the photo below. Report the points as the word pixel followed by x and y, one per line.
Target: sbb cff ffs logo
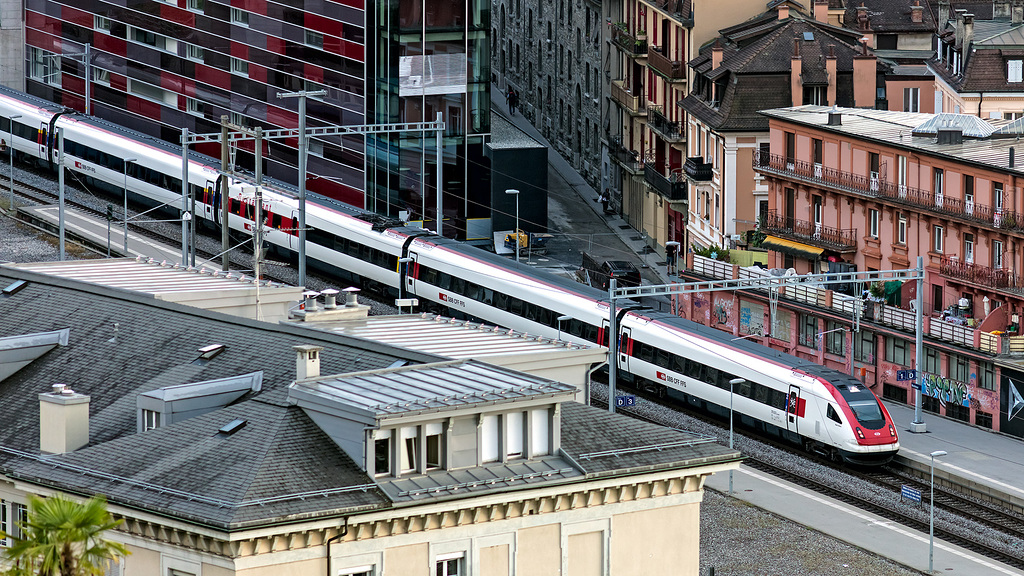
pixel 451 300
pixel 664 377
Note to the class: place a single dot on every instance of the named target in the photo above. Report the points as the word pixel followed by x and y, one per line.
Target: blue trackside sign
pixel 625 400
pixel 904 375
pixel 910 493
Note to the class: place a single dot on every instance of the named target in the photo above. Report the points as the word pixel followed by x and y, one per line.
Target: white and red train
pixel 822 409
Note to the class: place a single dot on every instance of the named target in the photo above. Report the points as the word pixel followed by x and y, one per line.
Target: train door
pixel 624 344
pixel 41 141
pixel 794 409
pixel 209 192
pixel 406 276
pixel 293 234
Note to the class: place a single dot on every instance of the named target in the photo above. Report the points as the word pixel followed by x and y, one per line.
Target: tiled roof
pixel 886 16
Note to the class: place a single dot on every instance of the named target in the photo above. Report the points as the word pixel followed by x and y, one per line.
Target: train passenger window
pixel 693 369
pixel 458 286
pixel 590 333
pixel 575 327
pixel 546 317
pixel 517 306
pixel 661 357
pixel 488 296
pixel 832 415
pixel 711 375
pixel 644 352
pixel 429 275
pixel 445 281
pixel 474 291
pixel 501 301
pixel 744 389
pixel 678 364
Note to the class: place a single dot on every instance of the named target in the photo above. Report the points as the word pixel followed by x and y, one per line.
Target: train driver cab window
pixel 833 415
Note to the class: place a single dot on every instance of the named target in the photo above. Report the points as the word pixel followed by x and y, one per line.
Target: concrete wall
pixel 538 551
pixel 12 44
pixel 494 561
pixel 639 551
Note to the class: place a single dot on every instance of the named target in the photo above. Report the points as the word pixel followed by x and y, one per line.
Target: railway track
pixel 1007 548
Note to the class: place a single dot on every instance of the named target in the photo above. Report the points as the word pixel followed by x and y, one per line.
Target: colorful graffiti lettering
pixel 946 391
pixel 721 314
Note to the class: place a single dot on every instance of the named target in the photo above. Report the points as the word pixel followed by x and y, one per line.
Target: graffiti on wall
pixel 722 312
pixel 751 318
pixel 946 390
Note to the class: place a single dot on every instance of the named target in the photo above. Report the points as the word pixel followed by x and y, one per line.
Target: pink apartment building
pixel 873 190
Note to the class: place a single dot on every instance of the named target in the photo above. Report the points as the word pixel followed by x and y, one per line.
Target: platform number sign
pixel 910 493
pixel 904 375
pixel 625 400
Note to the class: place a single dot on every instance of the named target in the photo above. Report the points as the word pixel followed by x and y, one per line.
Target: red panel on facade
pixel 188 87
pixel 119 82
pixel 353 50
pixel 353 3
pixel 72 83
pixel 239 50
pixel 257 73
pixel 213 77
pixel 75 16
pixel 314 73
pixel 177 15
pixel 143 107
pixel 40 40
pixel 254 6
pixel 275 45
pixel 104 43
pixel 285 119
pixel 172 82
pixel 43 22
pixel 73 101
pixel 323 25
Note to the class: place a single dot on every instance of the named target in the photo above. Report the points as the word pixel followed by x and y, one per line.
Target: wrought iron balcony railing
pixel 972 273
pixel 876 186
pixel 629 158
pixel 672 187
pixel 668 129
pixel 809 232
pixel 698 170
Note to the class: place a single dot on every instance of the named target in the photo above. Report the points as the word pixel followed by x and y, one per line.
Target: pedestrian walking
pixel 513 102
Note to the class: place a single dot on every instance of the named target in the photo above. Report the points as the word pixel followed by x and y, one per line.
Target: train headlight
pixel 860 434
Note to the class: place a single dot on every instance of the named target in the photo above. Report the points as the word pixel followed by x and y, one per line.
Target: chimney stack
pixel 865 77
pixel 959 15
pixel 63 420
pixel 717 55
pixel 783 11
pixel 944 12
pixel 307 361
pixel 1001 10
pixel 1017 12
pixel 917 12
pixel 968 31
pixel 831 69
pixel 796 67
pixel 821 11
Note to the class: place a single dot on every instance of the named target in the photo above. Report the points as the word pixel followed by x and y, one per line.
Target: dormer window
pixel 150 420
pixel 382 452
pixel 1014 70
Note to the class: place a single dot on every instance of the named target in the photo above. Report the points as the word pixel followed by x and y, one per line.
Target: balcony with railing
pixel 971 273
pixel 697 170
pixel 674 70
pixel 876 186
pixel 633 44
pixel 667 129
pixel 629 159
pixel 633 103
pixel 810 233
pixel 672 187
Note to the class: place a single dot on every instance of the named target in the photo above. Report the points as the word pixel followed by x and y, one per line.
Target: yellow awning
pixel 793 248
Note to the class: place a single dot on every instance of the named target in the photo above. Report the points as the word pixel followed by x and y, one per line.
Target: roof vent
pixel 835 118
pixel 330 298
pixel 307 361
pixel 310 304
pixel 207 352
pixel 232 427
pixel 13 289
pixel 351 297
pixel 949 135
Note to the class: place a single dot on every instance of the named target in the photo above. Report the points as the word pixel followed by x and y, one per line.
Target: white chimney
pixel 307 361
pixel 63 420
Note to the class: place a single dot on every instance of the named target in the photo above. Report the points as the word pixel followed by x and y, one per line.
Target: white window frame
pixel 240 17
pixel 381 436
pixel 937 242
pixel 195 53
pixel 911 99
pixel 515 435
pixel 540 432
pixel 196 5
pixel 901 229
pixel 314 39
pixel 150 92
pixel 873 223
pixel 490 438
pixel 409 450
pixel 433 430
pixel 997 254
pixel 969 248
pixel 100 76
pixel 238 119
pixel 459 557
pixel 150 420
pixel 101 23
pixel 1015 71
pixel 239 66
pixel 315 147
pixel 4 542
pixel 357 571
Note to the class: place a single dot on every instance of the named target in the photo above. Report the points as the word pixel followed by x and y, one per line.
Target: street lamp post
pixel 733 382
pixel 515 232
pixel 11 147
pixel 931 519
pixel 560 320
pixel 125 228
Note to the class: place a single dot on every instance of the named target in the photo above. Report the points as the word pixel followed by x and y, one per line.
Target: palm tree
pixel 64 537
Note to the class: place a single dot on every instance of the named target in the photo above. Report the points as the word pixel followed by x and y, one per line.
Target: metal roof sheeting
pixel 972 126
pixel 438 386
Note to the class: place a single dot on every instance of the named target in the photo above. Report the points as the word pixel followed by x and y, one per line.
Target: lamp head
pixel 938 453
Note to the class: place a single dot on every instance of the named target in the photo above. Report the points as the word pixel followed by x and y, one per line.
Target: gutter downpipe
pixel 341 534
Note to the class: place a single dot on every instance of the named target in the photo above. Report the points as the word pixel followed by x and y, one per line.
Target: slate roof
pixel 756 61
pixel 280 466
pixel 984 67
pixel 888 17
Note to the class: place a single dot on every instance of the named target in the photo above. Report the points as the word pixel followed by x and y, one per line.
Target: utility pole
pixel 303 150
pixel 185 215
pixel 225 158
pixel 60 185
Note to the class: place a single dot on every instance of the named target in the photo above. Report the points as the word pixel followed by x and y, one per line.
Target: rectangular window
pixel 489 439
pixel 101 23
pixel 150 420
pixel 449 565
pixel 314 39
pixel 434 446
pixel 986 376
pixel 197 5
pixel 238 120
pixel 901 229
pixel 808 330
pixel 1014 70
pixel 937 185
pixel 100 76
pixel 514 435
pixel 997 254
pixel 873 223
pixel 911 99
pixel 150 39
pixel 937 237
pixel 866 346
pixel 896 351
pixel 239 66
pixel 835 338
pixel 239 16
pixel 196 107
pixel 382 452
pixel 193 52
pixel 540 432
pixel 19 516
pixel 42 66
pixel 959 368
pixel 410 452
pixel 969 248
pixel 873 166
pixel 4 529
pixel 151 92
pixel 932 361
